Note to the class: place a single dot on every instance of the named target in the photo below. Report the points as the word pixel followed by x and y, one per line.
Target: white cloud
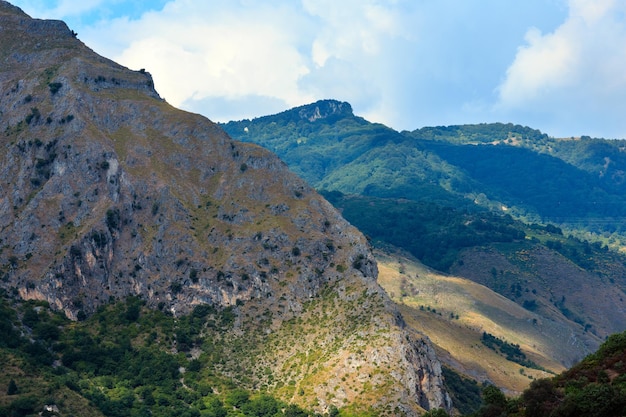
pixel 404 63
pixel 548 62
pixel 224 50
pixel 199 51
pixel 195 61
pixel 352 27
pixel 575 73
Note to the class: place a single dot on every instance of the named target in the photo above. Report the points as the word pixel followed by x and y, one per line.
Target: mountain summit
pixel 107 192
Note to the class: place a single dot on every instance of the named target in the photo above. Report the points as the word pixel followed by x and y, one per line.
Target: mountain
pixel 340 151
pixel 575 183
pixel 108 193
pixel 535 219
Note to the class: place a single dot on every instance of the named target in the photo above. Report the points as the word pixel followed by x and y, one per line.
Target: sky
pixel 554 65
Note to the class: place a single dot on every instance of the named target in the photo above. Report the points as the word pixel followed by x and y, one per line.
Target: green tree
pixel 263 406
pixel 539 397
pixel 293 410
pixel 214 408
pixel 12 390
pixel 237 398
pixel 494 402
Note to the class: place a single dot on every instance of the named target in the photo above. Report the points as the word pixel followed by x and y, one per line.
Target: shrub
pixel 55 87
pixel 176 287
pixel 358 262
pixel 34 115
pixel 113 219
pixel 193 275
pixel 237 398
pixel 12 390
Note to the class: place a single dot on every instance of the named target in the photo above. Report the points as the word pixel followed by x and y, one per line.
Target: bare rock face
pixel 107 191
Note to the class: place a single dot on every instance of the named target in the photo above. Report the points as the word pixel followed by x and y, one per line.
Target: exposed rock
pixel 324 109
pixel 107 191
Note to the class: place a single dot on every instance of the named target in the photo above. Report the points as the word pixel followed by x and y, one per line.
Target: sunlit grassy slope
pixel 454 312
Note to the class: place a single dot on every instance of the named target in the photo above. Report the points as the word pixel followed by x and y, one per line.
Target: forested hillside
pixel 578 184
pixel 124 361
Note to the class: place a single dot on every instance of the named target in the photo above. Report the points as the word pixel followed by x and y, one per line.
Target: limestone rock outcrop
pixel 107 191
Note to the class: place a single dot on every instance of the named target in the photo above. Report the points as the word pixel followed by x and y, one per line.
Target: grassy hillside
pixel 456 313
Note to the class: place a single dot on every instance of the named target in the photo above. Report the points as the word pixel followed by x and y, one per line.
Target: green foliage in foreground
pixel 595 387
pixel 125 360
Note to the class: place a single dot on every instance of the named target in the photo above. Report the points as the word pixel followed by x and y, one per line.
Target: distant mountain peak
pixel 327 110
pixel 324 109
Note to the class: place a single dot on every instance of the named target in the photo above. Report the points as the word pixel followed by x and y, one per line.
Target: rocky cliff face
pixel 324 109
pixel 107 191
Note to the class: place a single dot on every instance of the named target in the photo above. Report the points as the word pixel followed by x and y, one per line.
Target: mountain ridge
pixel 110 192
pixel 447 163
pixel 533 218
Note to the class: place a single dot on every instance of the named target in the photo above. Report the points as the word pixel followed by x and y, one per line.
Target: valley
pixel 468 222
pixel 307 263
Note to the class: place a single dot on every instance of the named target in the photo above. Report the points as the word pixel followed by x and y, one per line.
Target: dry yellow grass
pixel 454 312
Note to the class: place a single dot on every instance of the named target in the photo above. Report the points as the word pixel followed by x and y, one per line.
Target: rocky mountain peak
pixel 107 191
pixel 324 109
pixel 8 8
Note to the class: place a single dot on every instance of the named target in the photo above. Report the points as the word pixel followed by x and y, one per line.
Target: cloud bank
pixel 555 65
pixel 574 76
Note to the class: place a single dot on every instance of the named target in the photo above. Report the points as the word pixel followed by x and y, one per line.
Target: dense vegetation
pixel 123 361
pixel 577 184
pixel 539 185
pixel 430 232
pixel 511 351
pixel 465 392
pixel 595 387
pixel 435 234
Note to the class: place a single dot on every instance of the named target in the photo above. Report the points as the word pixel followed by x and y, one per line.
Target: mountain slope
pixel 339 151
pixel 456 312
pixel 479 202
pixel 108 192
pixel 575 183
